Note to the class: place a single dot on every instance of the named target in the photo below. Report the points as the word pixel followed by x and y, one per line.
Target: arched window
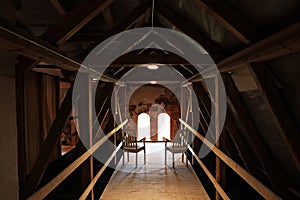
pixel 164 126
pixel 143 126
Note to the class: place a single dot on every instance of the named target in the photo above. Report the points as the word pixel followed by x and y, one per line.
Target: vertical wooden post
pixel 217 135
pixel 20 124
pixel 90 104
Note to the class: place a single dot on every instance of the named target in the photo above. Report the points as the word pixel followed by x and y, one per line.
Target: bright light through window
pixel 144 126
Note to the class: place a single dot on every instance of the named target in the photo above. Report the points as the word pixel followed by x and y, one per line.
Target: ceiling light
pixel 153 82
pixel 152 67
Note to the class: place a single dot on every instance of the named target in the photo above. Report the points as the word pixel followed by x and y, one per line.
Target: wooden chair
pixel 178 145
pixel 132 145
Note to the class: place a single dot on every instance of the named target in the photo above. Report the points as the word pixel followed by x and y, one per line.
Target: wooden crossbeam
pixel 252 181
pixel 58 7
pixel 108 17
pixel 23 43
pixel 279 44
pixel 230 19
pixel 283 120
pixel 46 148
pixel 74 20
pixel 124 24
pixel 275 174
pixel 186 27
pixel 79 16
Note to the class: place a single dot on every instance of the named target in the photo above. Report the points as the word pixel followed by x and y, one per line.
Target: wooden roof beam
pixel 70 23
pixel 108 17
pixel 124 24
pixel 216 51
pixel 20 42
pixel 58 7
pixel 283 120
pixel 230 19
pixel 279 44
pixel 275 174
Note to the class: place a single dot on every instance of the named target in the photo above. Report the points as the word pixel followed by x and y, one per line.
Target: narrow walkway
pixel 154 180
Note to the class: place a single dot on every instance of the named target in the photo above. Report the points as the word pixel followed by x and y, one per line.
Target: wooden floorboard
pixel 154 180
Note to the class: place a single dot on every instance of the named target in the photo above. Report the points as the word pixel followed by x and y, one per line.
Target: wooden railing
pixel 251 180
pixel 45 190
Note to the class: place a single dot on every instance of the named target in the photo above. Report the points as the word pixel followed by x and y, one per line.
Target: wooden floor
pixel 154 180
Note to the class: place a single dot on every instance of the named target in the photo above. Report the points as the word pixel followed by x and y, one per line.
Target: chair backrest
pixel 180 139
pixel 129 138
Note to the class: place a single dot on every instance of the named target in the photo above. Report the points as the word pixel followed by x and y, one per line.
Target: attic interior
pixel 254 44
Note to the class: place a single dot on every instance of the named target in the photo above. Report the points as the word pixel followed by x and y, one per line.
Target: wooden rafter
pixel 74 20
pixel 23 43
pixel 284 122
pixel 46 148
pixel 279 44
pixel 108 17
pixel 58 7
pixel 230 19
pixel 124 24
pixel 186 27
pixel 275 174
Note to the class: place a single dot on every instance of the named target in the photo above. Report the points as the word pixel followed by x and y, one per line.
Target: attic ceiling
pixel 236 34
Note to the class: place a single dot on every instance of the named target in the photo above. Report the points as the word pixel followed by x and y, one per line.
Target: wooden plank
pixel 108 17
pixel 251 180
pixel 73 21
pixel 38 49
pixel 138 12
pixel 99 173
pixel 282 43
pixel 183 24
pixel 283 120
pixel 210 176
pixel 21 125
pixel 230 19
pixel 45 190
pixel 79 16
pixel 58 7
pixel 154 180
pixel 48 145
pixel 275 174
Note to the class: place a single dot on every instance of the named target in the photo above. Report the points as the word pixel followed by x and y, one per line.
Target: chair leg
pixel 165 157
pixel 136 159
pixel 173 159
pixel 144 156
pixel 123 157
pixel 182 157
pixel 127 156
pixel 186 160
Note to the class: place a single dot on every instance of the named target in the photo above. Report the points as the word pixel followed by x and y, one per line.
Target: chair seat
pixel 176 149
pixel 133 149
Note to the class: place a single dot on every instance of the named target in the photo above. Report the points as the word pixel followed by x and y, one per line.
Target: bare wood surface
pixel 276 176
pixel 154 180
pixel 44 191
pixel 279 44
pixel 251 180
pixel 99 173
pixel 177 20
pixel 284 122
pixel 210 176
pixel 230 19
pixel 48 145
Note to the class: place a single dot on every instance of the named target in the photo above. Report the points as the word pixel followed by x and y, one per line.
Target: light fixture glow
pixel 152 67
pixel 153 82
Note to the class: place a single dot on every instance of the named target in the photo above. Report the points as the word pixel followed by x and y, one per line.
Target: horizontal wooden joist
pixel 230 19
pixel 161 58
pixel 279 44
pixel 20 42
